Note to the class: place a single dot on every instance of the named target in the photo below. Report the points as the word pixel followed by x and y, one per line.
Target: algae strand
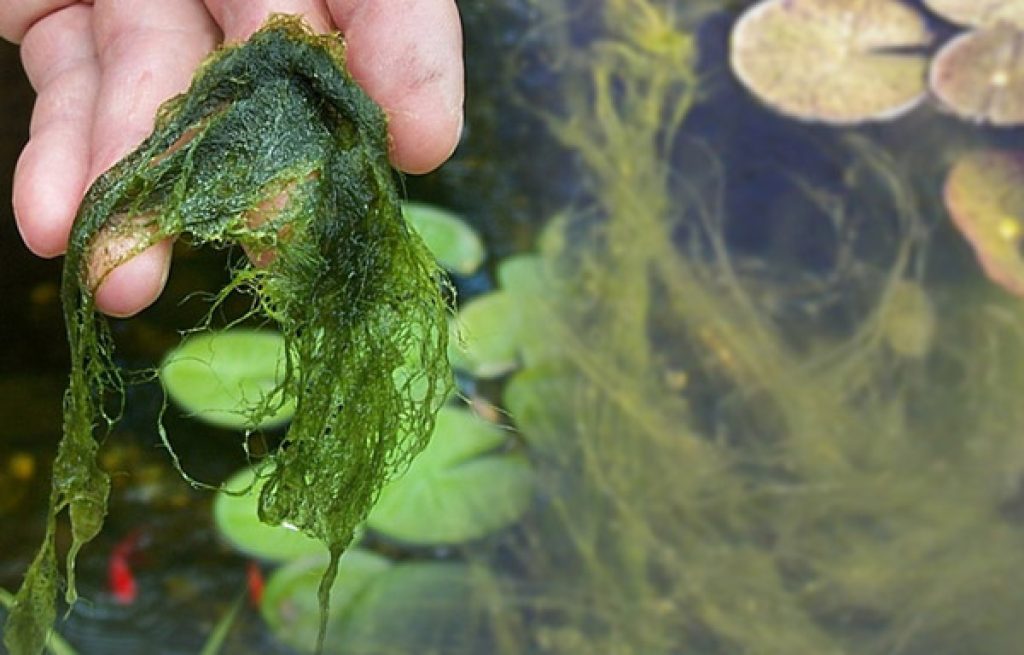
pixel 274 149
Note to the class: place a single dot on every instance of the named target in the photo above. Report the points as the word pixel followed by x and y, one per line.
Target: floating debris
pixel 978 13
pixel 980 75
pixel 985 196
pixel 839 62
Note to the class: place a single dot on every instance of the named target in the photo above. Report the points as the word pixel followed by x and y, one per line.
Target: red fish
pixel 120 578
pixel 254 582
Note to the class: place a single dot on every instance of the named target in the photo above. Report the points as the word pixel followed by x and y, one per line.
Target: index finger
pixel 148 50
pixel 407 54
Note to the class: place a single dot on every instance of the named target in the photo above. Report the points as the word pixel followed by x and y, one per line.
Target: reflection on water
pixel 773 404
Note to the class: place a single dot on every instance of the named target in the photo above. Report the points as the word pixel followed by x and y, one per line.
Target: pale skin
pixel 101 68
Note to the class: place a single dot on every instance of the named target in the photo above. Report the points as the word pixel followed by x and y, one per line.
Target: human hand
pixel 101 68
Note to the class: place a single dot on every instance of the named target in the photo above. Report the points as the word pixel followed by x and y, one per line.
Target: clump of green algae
pixel 274 148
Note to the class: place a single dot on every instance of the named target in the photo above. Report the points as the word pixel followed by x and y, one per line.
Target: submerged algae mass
pixel 275 149
pixel 732 459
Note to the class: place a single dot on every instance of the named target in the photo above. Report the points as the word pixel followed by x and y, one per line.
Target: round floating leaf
pixel 289 604
pixel 554 236
pixel 536 397
pixel 487 335
pixel 984 194
pixel 522 274
pixel 237 521
pixel 840 62
pixel 226 378
pixel 419 607
pixel 523 277
pixel 979 12
pixel 980 75
pixel 460 487
pixel 455 244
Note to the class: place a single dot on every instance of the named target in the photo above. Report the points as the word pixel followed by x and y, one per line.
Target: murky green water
pixel 771 402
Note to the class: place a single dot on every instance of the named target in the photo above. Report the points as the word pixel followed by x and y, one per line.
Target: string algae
pixel 274 149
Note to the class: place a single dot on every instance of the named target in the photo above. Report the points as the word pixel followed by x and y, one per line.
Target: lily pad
pixel 455 244
pixel 980 75
pixel 555 235
pixel 238 522
pixel 487 333
pixel 984 194
pixel 524 277
pixel 979 12
pixel 839 62
pixel 529 397
pixel 222 377
pixel 419 607
pixel 290 606
pixel 376 606
pixel 522 274
pixel 461 487
pixel 496 332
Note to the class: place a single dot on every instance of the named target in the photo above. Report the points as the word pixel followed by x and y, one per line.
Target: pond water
pixel 765 397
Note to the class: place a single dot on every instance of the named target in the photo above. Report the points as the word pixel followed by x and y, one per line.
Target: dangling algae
pixel 274 149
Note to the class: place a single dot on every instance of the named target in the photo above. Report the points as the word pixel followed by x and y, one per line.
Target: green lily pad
pixel 524 277
pixel 553 238
pixel 838 62
pixel 529 398
pixel 461 487
pixel 455 244
pixel 290 606
pixel 222 377
pixel 419 607
pixel 486 337
pixel 522 274
pixel 495 332
pixel 237 521
pixel 376 606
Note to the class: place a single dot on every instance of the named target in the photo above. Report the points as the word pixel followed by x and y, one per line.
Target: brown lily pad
pixel 839 62
pixel 979 75
pixel 978 13
pixel 984 194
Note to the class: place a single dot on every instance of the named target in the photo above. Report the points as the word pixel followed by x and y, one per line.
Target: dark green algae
pixel 274 149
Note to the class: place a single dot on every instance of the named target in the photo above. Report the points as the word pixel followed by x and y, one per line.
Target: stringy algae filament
pixel 274 149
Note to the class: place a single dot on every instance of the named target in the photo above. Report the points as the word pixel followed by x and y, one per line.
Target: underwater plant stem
pixel 215 642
